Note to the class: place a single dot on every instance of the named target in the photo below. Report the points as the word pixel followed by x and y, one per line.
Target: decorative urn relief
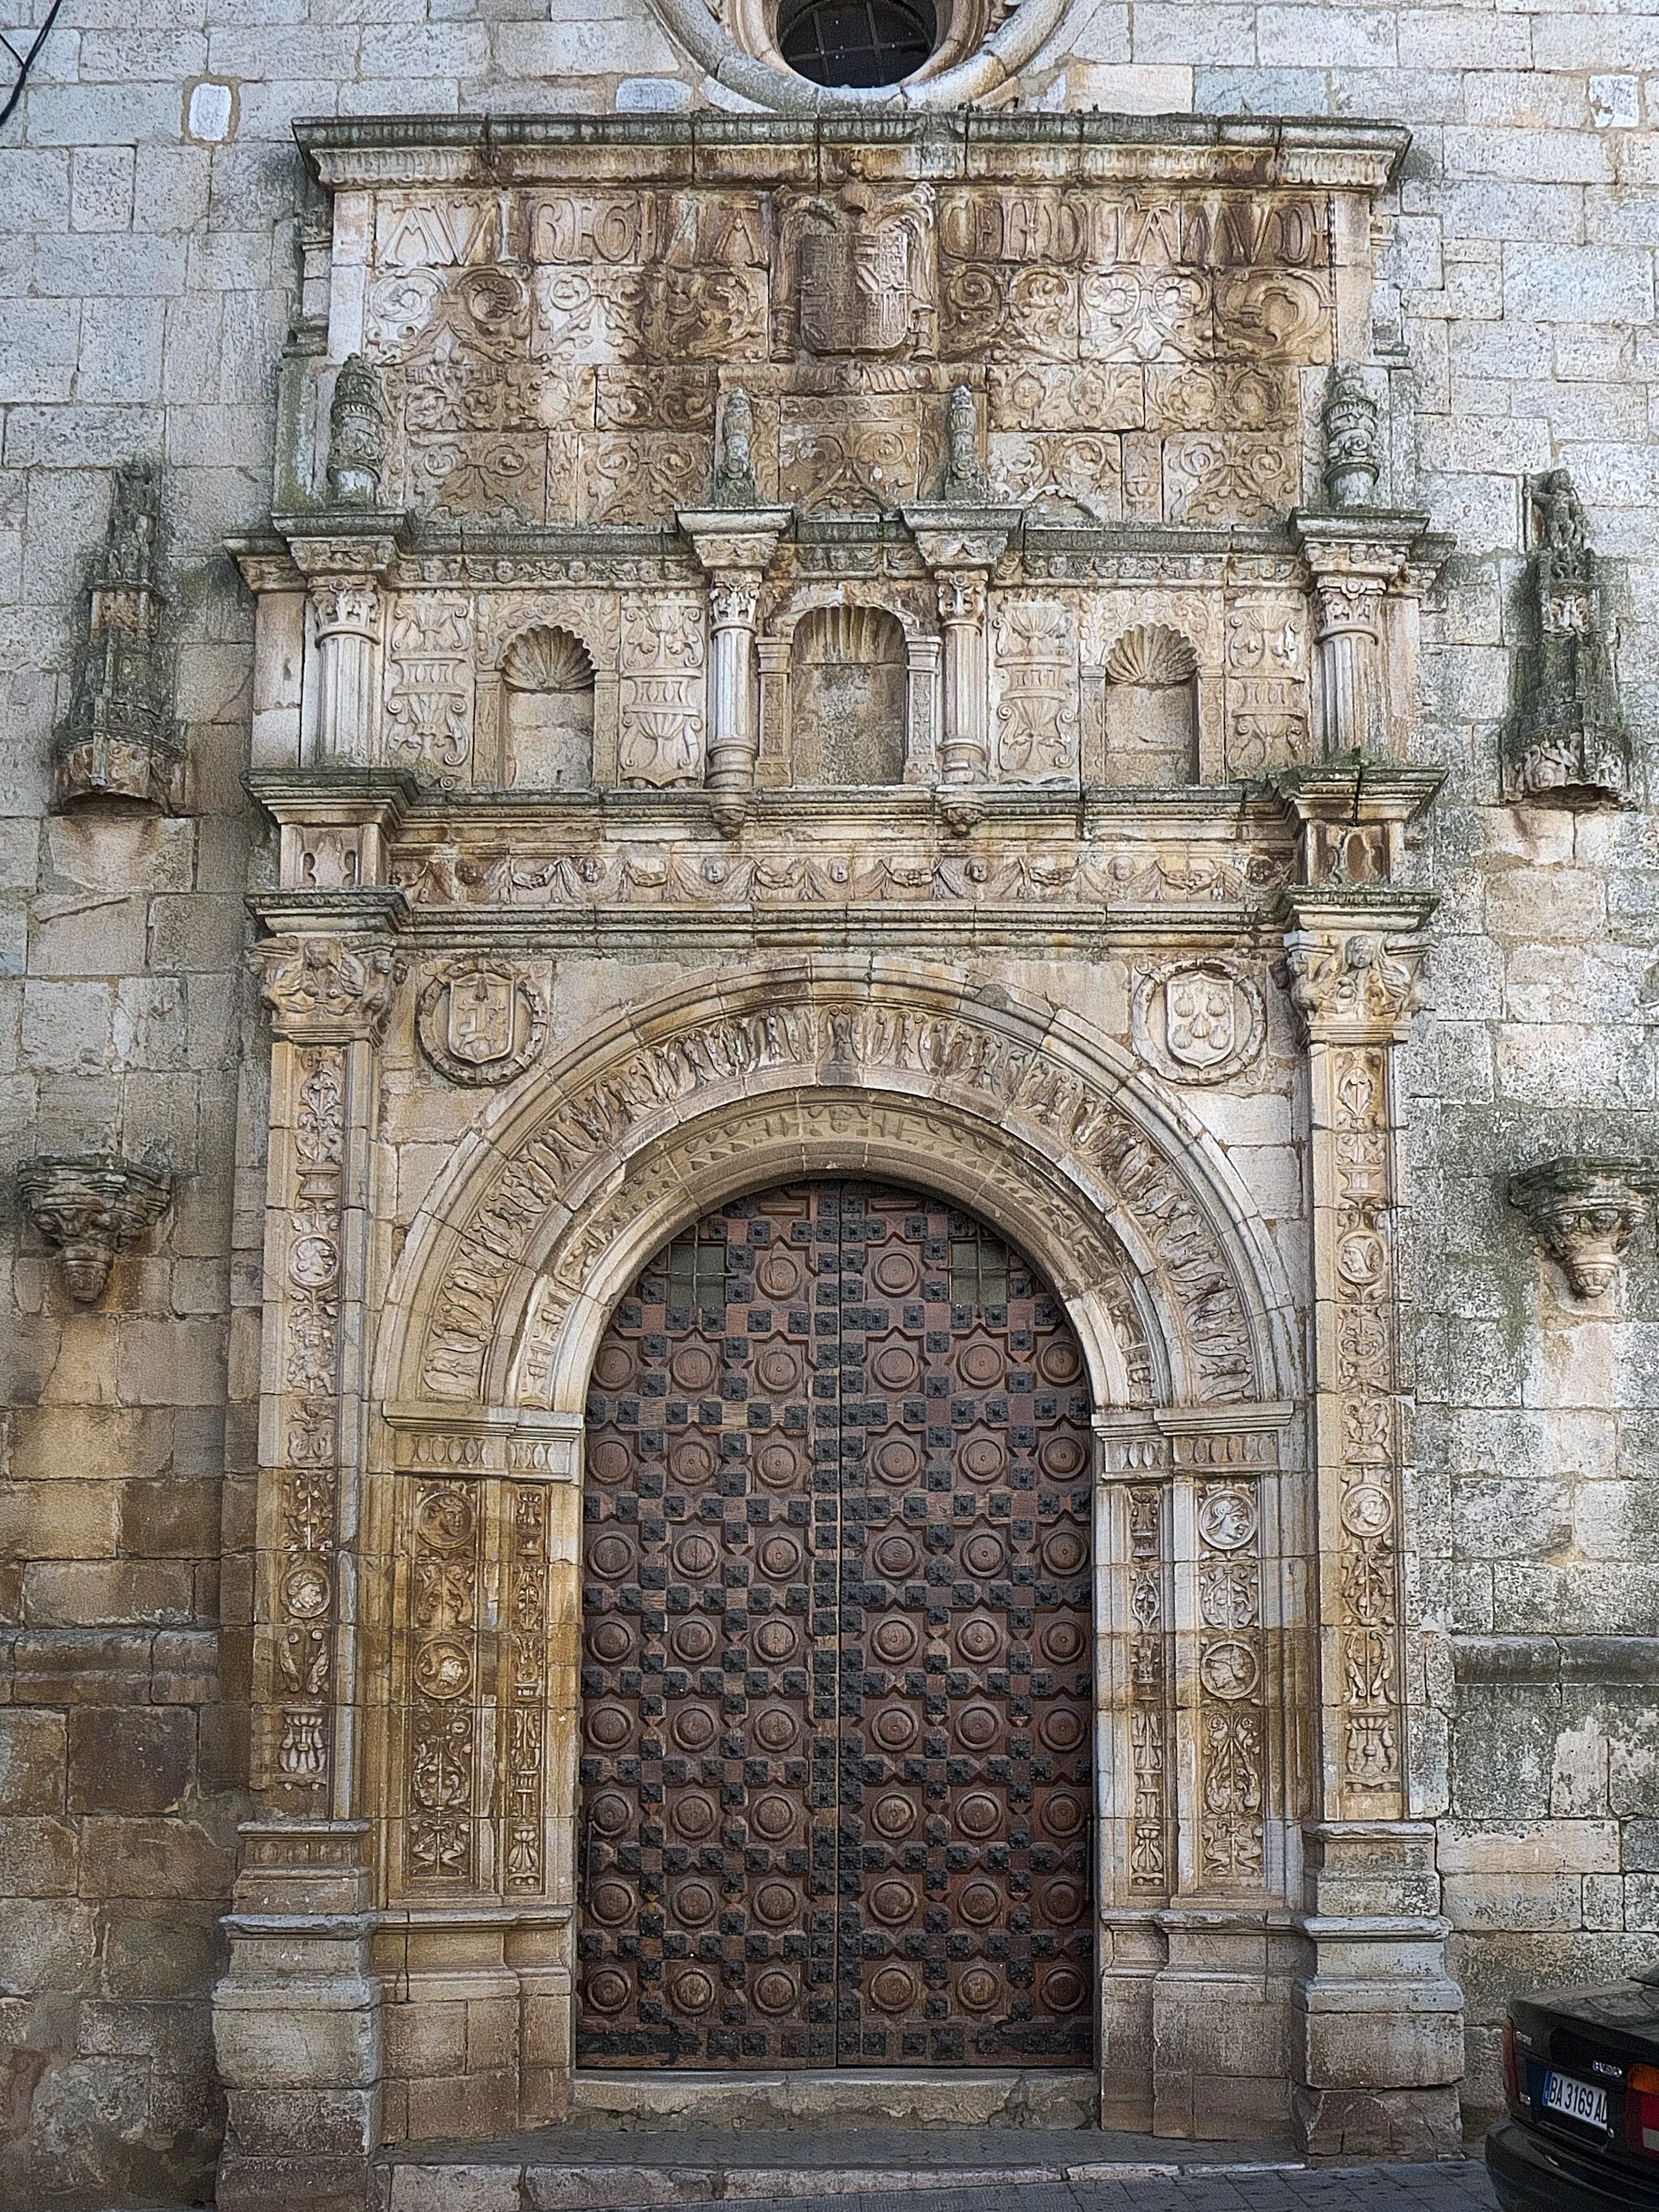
pixel 1584 1213
pixel 89 1206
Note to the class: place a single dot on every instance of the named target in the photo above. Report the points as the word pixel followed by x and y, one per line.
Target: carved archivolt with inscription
pixel 594 1138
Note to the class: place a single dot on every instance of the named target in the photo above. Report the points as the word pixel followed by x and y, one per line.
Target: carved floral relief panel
pixel 550 353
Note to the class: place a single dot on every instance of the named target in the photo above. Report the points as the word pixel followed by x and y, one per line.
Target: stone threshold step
pixel 836 2096
pixel 576 2170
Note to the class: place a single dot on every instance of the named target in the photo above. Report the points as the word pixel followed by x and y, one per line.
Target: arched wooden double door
pixel 836 1686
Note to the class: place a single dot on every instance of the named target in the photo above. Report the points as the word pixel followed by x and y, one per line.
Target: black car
pixel 1581 2071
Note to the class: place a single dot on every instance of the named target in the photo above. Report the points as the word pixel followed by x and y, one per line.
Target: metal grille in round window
pixel 856 44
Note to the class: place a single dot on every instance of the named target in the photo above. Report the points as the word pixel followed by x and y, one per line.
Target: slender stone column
pixel 347 616
pixel 733 745
pixel 1368 569
pixel 964 753
pixel 734 546
pixel 962 545
pixel 1380 2022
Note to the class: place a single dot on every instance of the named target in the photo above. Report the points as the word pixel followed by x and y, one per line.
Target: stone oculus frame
pixel 402 1936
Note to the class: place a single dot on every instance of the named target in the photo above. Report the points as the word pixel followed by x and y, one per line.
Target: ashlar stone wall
pixel 154 209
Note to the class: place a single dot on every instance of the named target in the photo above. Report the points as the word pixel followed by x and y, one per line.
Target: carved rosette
pixel 1584 1213
pixel 1355 991
pixel 329 999
pixel 88 1207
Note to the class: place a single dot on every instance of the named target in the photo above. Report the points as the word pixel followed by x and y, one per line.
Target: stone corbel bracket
pixel 90 1205
pixel 1584 1213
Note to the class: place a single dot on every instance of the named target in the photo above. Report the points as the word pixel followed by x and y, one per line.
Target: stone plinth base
pixel 296 2023
pixel 1378 2022
pixel 839 2097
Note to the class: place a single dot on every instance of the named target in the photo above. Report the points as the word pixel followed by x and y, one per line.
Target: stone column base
pixel 1378 2023
pixel 296 2022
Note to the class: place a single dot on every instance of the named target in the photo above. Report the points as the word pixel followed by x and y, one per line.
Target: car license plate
pixel 1576 2101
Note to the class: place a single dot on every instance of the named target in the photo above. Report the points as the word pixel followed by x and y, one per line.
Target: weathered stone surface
pixel 581 369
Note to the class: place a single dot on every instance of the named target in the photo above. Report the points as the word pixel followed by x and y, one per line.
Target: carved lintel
pixel 1583 1212
pixel 90 1205
pixel 1568 745
pixel 120 740
pixel 734 538
pixel 956 537
pixel 325 986
pixel 1354 968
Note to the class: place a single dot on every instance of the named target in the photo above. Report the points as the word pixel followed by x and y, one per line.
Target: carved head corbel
pixel 1584 1213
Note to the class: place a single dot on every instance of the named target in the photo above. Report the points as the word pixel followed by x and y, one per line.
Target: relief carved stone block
pixel 88 1207
pixel 1583 1212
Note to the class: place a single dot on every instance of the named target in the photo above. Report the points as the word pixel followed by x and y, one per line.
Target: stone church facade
pixel 828 995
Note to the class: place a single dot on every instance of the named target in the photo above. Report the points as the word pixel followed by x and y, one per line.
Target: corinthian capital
pixel 325 987
pixel 1350 983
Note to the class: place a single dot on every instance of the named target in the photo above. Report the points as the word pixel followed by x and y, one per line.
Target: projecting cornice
pixel 359 153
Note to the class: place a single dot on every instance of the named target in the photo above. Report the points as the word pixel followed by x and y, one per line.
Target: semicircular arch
pixel 1024 1115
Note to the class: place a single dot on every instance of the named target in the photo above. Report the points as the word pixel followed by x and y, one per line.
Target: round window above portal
pixel 856 45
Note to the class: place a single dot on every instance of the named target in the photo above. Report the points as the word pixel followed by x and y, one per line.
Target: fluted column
pixel 734 546
pixel 964 753
pixel 1368 569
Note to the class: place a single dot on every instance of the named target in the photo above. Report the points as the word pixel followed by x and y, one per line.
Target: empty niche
pixel 1152 708
pixel 547 682
pixel 847 693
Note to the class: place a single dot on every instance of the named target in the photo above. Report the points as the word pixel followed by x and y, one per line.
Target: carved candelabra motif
pixel 1584 1213
pixel 120 740
pixel 1569 745
pixel 1351 423
pixel 356 436
pixel 88 1207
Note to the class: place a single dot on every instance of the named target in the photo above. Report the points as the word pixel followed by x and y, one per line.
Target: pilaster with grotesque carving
pixel 1376 1980
pixel 329 999
pixel 1354 973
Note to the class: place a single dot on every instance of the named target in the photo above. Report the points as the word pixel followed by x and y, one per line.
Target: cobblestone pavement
pixel 1460 2187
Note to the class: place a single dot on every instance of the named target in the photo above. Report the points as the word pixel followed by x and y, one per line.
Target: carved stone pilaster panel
pixel 329 1000
pixel 448 1780
pixel 1355 991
